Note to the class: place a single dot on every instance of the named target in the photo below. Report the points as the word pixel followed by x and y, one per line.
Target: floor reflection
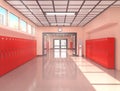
pixel 59 66
pixel 60 73
pixel 59 69
pixel 60 53
pixel 97 76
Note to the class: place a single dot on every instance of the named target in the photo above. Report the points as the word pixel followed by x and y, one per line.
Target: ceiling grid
pixel 30 12
pixel 54 10
pixel 66 11
pixel 90 11
pixel 85 10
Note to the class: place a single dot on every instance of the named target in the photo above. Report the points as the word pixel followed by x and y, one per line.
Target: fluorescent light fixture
pixel 60 13
pixel 60 24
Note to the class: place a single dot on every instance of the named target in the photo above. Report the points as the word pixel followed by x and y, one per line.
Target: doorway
pixel 63 41
pixel 60 44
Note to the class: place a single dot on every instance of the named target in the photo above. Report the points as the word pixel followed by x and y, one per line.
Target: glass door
pixel 64 43
pixel 56 43
pixel 60 43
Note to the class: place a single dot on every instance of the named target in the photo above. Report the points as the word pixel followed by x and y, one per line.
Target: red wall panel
pixel 15 52
pixel 101 51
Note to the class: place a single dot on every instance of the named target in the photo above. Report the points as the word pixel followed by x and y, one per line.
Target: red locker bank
pixel 15 52
pixel 101 51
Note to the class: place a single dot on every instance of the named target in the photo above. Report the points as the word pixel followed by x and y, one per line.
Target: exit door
pixel 60 43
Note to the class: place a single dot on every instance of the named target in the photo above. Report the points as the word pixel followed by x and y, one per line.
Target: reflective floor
pixel 59 71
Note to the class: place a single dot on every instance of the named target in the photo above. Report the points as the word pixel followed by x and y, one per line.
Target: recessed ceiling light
pixel 60 13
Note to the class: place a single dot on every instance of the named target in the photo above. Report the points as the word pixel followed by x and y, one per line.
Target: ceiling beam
pixel 73 18
pixel 43 12
pixel 101 12
pixel 54 11
pixel 89 12
pixel 77 12
pixel 31 12
pixel 66 10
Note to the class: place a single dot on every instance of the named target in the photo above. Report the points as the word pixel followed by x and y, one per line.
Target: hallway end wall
pixel 41 30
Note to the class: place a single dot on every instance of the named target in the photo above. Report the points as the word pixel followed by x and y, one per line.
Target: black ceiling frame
pixel 57 5
pixel 66 11
pixel 20 11
pixel 62 8
pixel 77 12
pixel 84 20
pixel 54 11
pixel 43 12
pixel 100 12
pixel 31 12
pixel 89 12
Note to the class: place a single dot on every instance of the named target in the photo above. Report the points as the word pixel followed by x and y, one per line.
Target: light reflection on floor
pixel 99 79
pixel 57 71
pixel 60 53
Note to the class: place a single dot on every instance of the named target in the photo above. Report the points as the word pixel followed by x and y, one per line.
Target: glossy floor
pixel 59 71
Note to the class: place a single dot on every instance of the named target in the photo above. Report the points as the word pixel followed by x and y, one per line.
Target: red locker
pixel 15 52
pixel 101 51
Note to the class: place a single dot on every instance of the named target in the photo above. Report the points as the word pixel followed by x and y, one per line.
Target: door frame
pixel 45 33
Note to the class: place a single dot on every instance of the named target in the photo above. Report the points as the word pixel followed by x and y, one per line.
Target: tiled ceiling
pixel 85 10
